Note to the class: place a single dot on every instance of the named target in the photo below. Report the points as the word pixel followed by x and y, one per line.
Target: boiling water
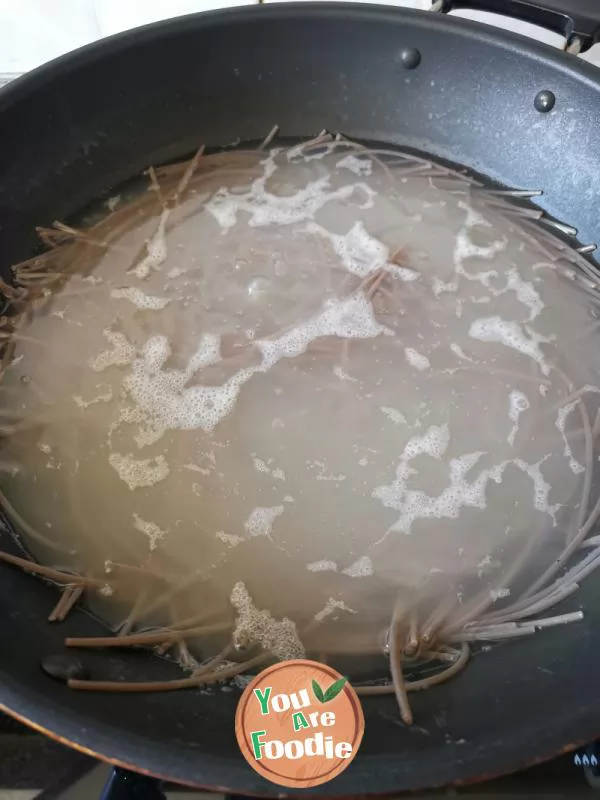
pixel 307 386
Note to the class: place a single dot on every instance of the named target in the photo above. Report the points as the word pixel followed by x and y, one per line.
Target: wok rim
pixel 11 702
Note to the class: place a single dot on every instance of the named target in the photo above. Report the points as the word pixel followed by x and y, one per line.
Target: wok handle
pixel 577 20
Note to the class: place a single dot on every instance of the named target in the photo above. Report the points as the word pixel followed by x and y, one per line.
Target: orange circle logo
pixel 299 723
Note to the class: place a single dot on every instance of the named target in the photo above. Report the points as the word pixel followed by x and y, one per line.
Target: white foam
pixel 277 637
pixel 487 565
pixel 197 468
pixel 349 318
pixel 517 404
pixel 362 568
pixel 403 273
pixel 156 249
pixel 113 202
pixel 323 475
pixel 106 397
pixel 121 354
pixel 460 493
pixel 360 166
pixel 262 466
pixel 499 594
pixel 343 376
pixel 229 538
pixel 298 152
pixel 464 249
pixel 473 217
pixel 138 473
pixel 561 419
pixel 331 606
pixel 359 252
pixel 164 397
pixel 416 359
pixel 439 286
pixel 140 299
pixel 511 334
pixel 263 208
pixel 393 414
pixel 322 566
pixel 150 529
pixel 525 291
pixel 457 350
pixel 260 521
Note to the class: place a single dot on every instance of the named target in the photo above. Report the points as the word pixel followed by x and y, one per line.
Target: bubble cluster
pixel 279 637
pixel 138 473
pixel 518 403
pixel 359 252
pixel 416 359
pixel 150 529
pixel 122 353
pixel 362 568
pixel 260 521
pixel 510 334
pixel 156 249
pixel 140 299
pixel 266 208
pixel 561 419
pixel 360 166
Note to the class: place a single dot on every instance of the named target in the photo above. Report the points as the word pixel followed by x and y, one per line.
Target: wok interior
pixel 511 175
pixel 281 355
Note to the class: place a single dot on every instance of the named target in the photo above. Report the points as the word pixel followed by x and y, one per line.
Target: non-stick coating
pixel 80 126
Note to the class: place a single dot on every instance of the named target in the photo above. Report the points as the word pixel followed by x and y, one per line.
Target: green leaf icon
pixel 334 689
pixel 318 692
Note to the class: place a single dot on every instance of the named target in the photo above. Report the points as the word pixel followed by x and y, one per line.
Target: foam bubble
pixel 322 566
pixel 464 249
pixel 350 318
pixel 416 359
pixel 518 403
pixel 229 538
pixel 260 521
pixel 393 414
pixel 277 637
pixel 140 299
pixel 264 208
pixel 359 166
pixel 121 354
pixel 138 473
pixel 561 419
pixel 150 529
pixel 460 493
pixel 156 249
pixel 510 334
pixel 106 397
pixel 359 252
pixel 331 606
pixel 360 569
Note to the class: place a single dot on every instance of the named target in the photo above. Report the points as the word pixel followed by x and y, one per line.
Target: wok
pixel 518 112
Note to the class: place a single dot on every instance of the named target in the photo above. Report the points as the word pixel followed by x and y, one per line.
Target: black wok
pixel 465 93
